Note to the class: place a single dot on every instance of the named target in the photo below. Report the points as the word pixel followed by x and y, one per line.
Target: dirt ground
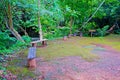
pixel 107 67
pixel 87 58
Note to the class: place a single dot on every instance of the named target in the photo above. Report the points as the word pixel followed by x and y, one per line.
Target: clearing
pixel 86 58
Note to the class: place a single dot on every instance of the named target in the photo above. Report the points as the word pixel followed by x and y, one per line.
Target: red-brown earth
pixel 107 67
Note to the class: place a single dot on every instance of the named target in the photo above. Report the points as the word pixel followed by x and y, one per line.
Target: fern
pixel 102 32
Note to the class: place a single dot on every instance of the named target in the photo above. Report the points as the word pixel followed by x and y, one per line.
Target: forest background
pixel 22 20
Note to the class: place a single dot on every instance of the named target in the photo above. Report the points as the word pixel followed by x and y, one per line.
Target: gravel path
pixel 75 68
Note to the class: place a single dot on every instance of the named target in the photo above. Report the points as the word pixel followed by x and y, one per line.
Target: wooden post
pixel 32 56
pixel 65 38
pixel 44 43
pixel 71 23
pixel 91 32
pixel 81 34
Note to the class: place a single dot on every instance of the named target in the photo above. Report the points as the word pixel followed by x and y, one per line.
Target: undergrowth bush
pixel 102 32
pixel 65 31
pixel 9 44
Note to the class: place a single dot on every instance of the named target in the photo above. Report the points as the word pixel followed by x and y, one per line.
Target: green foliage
pixel 102 32
pixel 57 33
pixel 65 31
pixel 52 34
pixel 75 29
pixel 20 72
pixel 90 26
pixel 10 44
pixel 27 39
pixel 5 42
pixel 74 13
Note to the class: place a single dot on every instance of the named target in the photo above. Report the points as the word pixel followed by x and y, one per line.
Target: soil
pixel 107 67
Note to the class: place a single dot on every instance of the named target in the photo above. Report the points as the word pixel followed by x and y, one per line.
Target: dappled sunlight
pixel 71 47
pixel 74 46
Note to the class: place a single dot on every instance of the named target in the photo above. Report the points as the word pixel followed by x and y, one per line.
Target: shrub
pixel 102 32
pixel 9 44
pixel 65 31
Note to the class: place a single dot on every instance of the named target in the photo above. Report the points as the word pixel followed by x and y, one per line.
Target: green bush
pixel 90 26
pixel 65 31
pixel 75 29
pixel 9 44
pixel 27 39
pixel 57 33
pixel 6 42
pixel 102 32
pixel 48 35
pixel 53 34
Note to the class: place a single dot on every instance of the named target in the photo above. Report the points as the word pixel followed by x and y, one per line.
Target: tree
pixel 92 14
pixel 39 23
pixel 9 22
pixel 15 33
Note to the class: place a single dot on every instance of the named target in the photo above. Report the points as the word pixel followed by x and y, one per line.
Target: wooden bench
pixel 32 53
pixel 43 41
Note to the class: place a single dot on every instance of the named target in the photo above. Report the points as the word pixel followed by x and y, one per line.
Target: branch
pixel 6 23
pixel 23 30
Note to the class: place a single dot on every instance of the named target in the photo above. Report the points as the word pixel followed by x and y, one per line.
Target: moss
pixel 17 67
pixel 71 47
pixel 21 72
pixel 14 61
pixel 74 46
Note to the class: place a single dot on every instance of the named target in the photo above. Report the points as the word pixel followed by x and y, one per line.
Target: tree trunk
pixel 71 24
pixel 10 22
pixel 7 25
pixel 23 31
pixel 39 24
